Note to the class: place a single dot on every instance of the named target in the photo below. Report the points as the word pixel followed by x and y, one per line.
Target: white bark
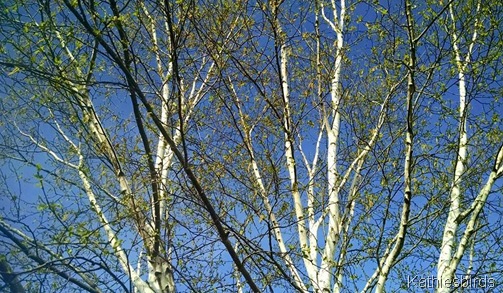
pixel 138 283
pixel 334 223
pixel 312 222
pixel 444 267
pixel 112 237
pixel 159 270
pixel 321 277
pixel 476 208
pixel 291 164
pixel 275 226
pixel 159 275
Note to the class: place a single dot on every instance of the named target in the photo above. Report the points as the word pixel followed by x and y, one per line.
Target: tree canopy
pixel 251 146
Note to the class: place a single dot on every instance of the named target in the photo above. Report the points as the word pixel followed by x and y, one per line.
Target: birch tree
pixel 119 161
pixel 464 217
pixel 249 146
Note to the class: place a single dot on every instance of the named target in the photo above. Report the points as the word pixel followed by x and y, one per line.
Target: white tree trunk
pixel 334 224
pixel 445 269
